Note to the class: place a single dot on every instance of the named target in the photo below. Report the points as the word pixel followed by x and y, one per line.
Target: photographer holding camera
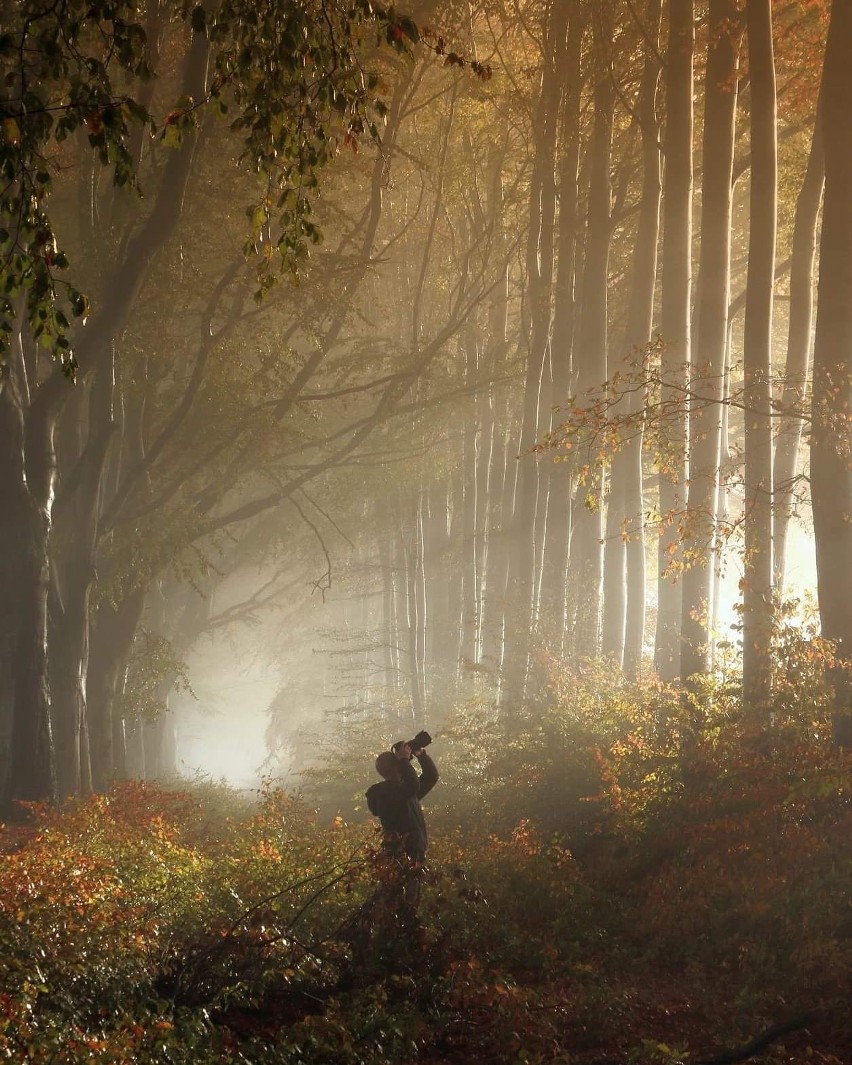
pixel 396 802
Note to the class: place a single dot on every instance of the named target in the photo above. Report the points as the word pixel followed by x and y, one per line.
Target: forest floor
pixel 602 908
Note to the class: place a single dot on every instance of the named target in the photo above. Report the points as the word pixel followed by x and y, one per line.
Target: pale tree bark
pixel 387 633
pixel 497 501
pixel 708 367
pixel 470 577
pixel 757 357
pixel 797 366
pixel 715 561
pixel 409 556
pixel 421 611
pixel 624 558
pixel 443 629
pixel 675 326
pixel 590 351
pixel 831 477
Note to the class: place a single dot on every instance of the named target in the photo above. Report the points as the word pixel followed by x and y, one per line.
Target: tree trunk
pixel 435 560
pixel 28 767
pixel 757 358
pixel 624 570
pixel 831 478
pixel 590 356
pixel 75 546
pixel 675 328
pixel 112 631
pixel 559 473
pixel 497 502
pixel 705 416
pixel 27 475
pixel 386 627
pixel 469 505
pixel 797 366
pixel 501 488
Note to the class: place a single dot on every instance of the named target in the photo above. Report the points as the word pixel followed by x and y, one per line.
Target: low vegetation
pixel 616 881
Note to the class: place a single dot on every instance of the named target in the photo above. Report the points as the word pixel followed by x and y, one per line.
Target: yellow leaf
pixel 12 131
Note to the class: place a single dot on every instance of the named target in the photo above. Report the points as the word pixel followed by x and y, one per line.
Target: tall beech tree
pixel 623 629
pixel 590 360
pixel 757 354
pixel 675 326
pixel 797 365
pixel 568 256
pixel 708 364
pixel 831 476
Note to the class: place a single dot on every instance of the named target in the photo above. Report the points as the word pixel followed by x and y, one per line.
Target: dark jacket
pixel 397 805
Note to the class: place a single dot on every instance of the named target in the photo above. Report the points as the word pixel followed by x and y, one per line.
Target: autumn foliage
pixel 608 881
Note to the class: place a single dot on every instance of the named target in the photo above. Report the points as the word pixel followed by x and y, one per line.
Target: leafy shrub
pixel 614 868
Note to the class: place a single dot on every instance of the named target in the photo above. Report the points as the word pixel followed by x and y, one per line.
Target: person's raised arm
pixel 429 776
pixel 408 778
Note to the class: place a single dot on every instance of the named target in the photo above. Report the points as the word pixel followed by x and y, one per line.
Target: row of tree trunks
pixel 529 498
pixel 30 430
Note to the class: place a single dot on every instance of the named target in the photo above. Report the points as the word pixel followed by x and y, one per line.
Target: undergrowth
pixel 608 882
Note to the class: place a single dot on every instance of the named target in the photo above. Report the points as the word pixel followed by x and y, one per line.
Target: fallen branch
pixel 748 1050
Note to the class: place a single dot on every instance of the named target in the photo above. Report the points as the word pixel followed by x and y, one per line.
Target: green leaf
pixel 172 135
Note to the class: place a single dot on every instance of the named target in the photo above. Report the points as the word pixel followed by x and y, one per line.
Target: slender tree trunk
pixel 624 570
pixel 498 500
pixel 590 357
pixel 797 366
pixel 831 479
pixel 675 327
pixel 421 614
pixel 455 593
pixel 559 473
pixel 387 634
pixel 470 505
pixel 705 424
pixel 501 482
pixel 757 357
pixel 435 559
pixel 716 562
pixel 408 551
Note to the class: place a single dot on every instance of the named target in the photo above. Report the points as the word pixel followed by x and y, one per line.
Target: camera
pixel 421 740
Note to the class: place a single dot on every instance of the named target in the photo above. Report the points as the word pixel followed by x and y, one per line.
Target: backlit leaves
pixel 291 79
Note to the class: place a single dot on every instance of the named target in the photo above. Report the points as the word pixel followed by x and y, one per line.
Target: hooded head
pixel 387 765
